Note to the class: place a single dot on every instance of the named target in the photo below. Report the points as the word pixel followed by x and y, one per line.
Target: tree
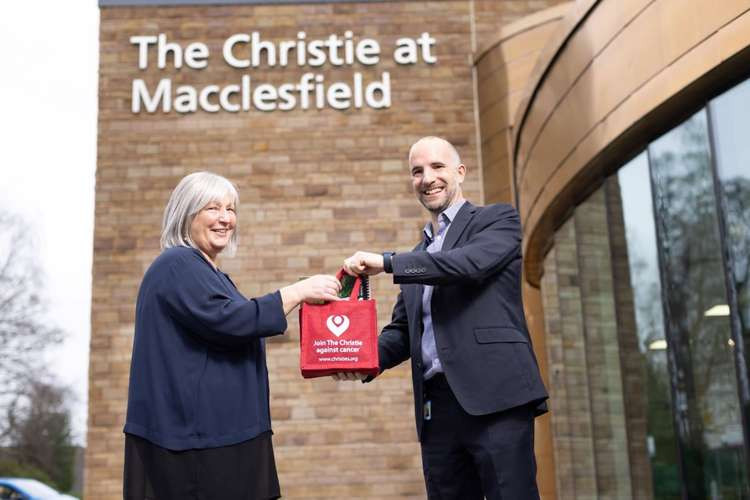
pixel 702 362
pixel 24 331
pixel 736 199
pixel 38 427
pixel 34 417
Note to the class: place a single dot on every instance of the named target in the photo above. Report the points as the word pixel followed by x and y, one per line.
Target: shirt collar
pixel 447 215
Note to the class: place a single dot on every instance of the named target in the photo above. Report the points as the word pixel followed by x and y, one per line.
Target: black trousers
pixel 467 457
pixel 243 471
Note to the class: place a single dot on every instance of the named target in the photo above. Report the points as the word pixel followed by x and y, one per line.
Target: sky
pixel 48 103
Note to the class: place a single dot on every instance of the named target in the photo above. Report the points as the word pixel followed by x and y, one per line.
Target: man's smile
pixel 433 190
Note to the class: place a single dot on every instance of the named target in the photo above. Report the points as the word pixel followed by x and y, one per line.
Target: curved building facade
pixel 628 160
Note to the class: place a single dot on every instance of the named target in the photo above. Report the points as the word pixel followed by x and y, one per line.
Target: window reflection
pixel 704 380
pixel 635 192
pixel 676 235
pixel 731 126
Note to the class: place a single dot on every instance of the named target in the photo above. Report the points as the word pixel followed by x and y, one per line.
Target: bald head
pixel 453 158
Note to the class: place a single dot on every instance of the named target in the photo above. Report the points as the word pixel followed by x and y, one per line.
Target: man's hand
pixel 364 263
pixel 348 376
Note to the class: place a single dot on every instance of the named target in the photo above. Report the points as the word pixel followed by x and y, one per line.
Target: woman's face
pixel 213 226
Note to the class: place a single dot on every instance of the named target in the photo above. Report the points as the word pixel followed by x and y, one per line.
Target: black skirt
pixel 243 471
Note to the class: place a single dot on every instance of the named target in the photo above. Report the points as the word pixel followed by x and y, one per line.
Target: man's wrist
pixel 388 262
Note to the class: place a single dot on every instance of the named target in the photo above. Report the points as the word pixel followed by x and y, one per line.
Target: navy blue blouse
pixel 198 376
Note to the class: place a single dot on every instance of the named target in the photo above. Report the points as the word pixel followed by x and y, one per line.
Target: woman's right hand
pixel 316 289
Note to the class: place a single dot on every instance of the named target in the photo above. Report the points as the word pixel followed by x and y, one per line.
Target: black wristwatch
pixel 387 263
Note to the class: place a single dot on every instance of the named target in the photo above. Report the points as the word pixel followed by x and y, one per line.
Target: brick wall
pixel 602 349
pixel 596 372
pixel 634 375
pixel 570 399
pixel 315 185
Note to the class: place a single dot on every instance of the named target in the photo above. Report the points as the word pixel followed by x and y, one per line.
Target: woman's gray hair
pixel 191 195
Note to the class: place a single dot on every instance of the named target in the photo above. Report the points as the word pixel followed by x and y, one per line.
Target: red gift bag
pixel 339 336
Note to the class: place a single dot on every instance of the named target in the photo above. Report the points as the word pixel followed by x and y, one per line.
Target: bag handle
pixel 357 284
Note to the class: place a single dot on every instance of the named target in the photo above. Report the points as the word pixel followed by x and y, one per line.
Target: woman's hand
pixel 317 289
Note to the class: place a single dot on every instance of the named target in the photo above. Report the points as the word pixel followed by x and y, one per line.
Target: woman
pixel 198 424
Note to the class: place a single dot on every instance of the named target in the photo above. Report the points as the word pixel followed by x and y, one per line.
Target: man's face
pixel 436 175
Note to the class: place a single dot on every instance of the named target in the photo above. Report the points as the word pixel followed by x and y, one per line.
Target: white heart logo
pixel 337 324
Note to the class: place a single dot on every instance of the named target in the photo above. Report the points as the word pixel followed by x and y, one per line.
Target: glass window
pixel 673 227
pixel 704 381
pixel 8 493
pixel 731 128
pixel 640 233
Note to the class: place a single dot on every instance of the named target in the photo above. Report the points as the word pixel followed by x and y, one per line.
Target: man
pixel 459 317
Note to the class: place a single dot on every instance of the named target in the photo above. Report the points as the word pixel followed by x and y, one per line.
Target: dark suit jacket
pixel 477 314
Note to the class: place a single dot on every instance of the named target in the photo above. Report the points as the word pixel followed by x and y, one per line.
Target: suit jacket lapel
pixel 458 225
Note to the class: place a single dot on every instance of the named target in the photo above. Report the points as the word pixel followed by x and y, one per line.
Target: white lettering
pixel 384 87
pixel 164 48
pixel 351 342
pixel 224 98
pixel 312 90
pixel 406 51
pixel 301 53
pixel 186 100
pixel 143 42
pixel 358 90
pixel 207 105
pixel 334 43
pixel 288 100
pixel 338 95
pixel 284 48
pixel 196 55
pixel 264 97
pixel 163 93
pixel 257 46
pixel 348 48
pixel 368 51
pixel 319 94
pixel 304 87
pixel 426 42
pixel 245 92
pixel 315 48
pixel 228 54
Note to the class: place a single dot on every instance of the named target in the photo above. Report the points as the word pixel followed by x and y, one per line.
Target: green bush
pixel 12 468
